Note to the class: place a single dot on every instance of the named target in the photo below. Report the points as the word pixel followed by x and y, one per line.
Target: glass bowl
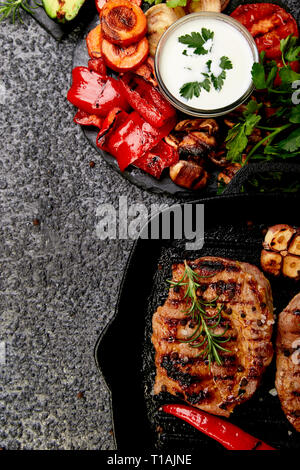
pixel 185 107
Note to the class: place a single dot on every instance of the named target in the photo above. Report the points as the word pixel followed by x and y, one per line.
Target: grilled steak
pixel 288 361
pixel 247 312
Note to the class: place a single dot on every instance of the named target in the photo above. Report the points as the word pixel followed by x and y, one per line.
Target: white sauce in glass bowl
pixel 177 69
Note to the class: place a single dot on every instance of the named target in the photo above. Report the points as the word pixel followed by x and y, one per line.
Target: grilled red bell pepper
pixel 147 100
pixel 98 65
pixel 113 120
pixel 85 119
pixel 157 159
pixel 129 141
pixel 93 94
pixel 229 435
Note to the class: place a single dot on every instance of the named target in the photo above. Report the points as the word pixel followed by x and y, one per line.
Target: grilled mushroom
pixel 228 173
pixel 206 125
pixel 197 144
pixel 281 254
pixel 218 158
pixel 188 175
pixel 173 140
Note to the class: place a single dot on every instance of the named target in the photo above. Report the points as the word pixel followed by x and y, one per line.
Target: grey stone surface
pixel 58 281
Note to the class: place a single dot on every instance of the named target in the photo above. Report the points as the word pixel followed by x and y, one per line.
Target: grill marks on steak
pixel 248 313
pixel 288 361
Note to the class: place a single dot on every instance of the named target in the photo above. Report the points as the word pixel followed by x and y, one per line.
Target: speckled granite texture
pixel 58 281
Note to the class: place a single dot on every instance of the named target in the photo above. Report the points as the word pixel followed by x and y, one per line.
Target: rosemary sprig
pixel 12 8
pixel 204 335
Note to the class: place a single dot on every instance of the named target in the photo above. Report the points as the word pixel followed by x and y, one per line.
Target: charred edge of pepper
pixel 101 137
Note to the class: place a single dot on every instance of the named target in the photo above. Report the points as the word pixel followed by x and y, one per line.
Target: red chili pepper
pixel 93 94
pixel 147 100
pixel 229 435
pixel 131 139
pixel 98 65
pixel 157 159
pixel 85 119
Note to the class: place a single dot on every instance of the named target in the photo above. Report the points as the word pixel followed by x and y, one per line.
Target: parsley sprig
pixel 237 137
pixel 196 40
pixel 191 89
pixel 280 141
pixel 204 336
pixel 12 8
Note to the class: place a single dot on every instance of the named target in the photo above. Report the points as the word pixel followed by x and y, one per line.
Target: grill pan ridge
pixel 233 229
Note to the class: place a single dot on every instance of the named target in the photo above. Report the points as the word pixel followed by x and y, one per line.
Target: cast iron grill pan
pixel 165 184
pixel 234 229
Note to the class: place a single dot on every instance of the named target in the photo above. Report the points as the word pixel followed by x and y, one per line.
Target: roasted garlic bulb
pixel 281 253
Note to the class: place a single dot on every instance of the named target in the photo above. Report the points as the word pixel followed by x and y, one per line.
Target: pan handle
pixel 235 185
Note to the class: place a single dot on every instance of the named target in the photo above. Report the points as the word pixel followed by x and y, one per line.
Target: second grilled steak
pixel 247 311
pixel 288 361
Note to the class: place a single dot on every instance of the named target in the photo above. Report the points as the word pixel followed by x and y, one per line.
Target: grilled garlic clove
pixel 271 262
pixel 172 140
pixel 294 247
pixel 188 175
pixel 281 254
pixel 205 5
pixel 291 267
pixel 278 237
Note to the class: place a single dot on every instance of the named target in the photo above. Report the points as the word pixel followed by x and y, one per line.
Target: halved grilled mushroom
pixel 207 125
pixel 197 143
pixel 188 175
pixel 173 140
pixel 218 157
pixel 228 173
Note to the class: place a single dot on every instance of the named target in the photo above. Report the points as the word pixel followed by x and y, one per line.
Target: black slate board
pixel 59 30
pixel 139 177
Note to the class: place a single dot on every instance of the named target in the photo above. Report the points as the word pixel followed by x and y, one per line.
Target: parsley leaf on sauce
pixel 196 40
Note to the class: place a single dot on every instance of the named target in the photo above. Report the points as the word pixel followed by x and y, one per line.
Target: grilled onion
pixel 159 18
